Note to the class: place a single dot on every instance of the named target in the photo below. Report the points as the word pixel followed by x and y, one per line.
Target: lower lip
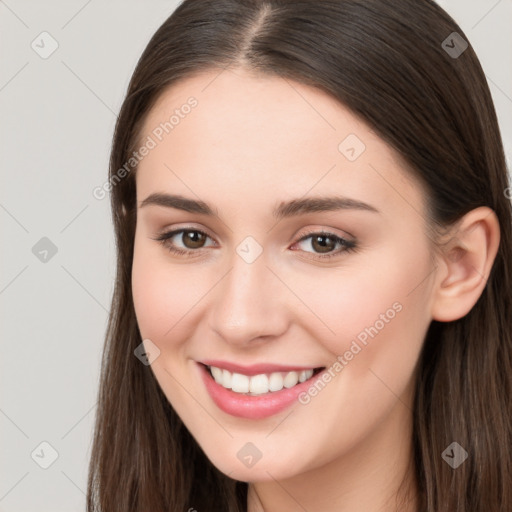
pixel 252 407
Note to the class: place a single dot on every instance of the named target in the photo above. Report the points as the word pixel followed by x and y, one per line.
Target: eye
pixel 324 242
pixel 193 239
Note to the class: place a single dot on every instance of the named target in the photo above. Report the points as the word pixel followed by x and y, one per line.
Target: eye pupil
pixel 195 237
pixel 323 246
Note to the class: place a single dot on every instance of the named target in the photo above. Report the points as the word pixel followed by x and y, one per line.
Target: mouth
pixel 259 392
pixel 261 383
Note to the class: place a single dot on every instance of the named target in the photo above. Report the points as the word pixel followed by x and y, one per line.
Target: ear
pixel 464 264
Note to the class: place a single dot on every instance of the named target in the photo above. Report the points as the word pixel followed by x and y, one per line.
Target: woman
pixel 312 303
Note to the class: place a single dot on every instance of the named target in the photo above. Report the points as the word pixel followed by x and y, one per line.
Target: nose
pixel 249 304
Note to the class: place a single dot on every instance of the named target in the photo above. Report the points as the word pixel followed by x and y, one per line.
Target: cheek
pixel 161 293
pixel 375 308
pixel 150 304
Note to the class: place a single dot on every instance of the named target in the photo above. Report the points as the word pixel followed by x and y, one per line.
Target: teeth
pixel 240 383
pixel 217 373
pixel 258 384
pixel 275 382
pixel 226 378
pixel 291 379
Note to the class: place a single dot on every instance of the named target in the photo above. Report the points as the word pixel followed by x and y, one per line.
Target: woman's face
pixel 254 293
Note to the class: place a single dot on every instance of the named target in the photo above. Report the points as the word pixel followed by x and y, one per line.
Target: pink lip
pixel 252 407
pixel 254 369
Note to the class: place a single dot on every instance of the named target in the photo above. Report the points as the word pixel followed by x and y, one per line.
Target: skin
pixel 252 142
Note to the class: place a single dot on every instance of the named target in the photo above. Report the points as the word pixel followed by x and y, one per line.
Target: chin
pixel 261 470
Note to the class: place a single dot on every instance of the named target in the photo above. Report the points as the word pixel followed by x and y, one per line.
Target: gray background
pixel 57 118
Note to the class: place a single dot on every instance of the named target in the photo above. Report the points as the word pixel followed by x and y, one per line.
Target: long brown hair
pixel 386 62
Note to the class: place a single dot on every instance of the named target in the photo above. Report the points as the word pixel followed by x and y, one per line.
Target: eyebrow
pixel 291 208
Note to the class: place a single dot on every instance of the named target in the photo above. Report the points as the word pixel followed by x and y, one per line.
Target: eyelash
pixel 348 245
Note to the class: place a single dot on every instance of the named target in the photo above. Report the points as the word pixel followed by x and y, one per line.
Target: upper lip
pixel 256 369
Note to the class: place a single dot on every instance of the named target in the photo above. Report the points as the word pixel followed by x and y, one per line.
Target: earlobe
pixel 465 263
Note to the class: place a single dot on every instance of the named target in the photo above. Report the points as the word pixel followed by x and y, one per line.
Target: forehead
pixel 257 134
pixel 242 103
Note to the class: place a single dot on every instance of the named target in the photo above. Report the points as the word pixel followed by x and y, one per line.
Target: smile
pixel 255 392
pixel 261 383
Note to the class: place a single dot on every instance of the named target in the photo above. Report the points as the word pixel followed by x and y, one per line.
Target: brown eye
pixel 183 241
pixel 193 239
pixel 324 244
